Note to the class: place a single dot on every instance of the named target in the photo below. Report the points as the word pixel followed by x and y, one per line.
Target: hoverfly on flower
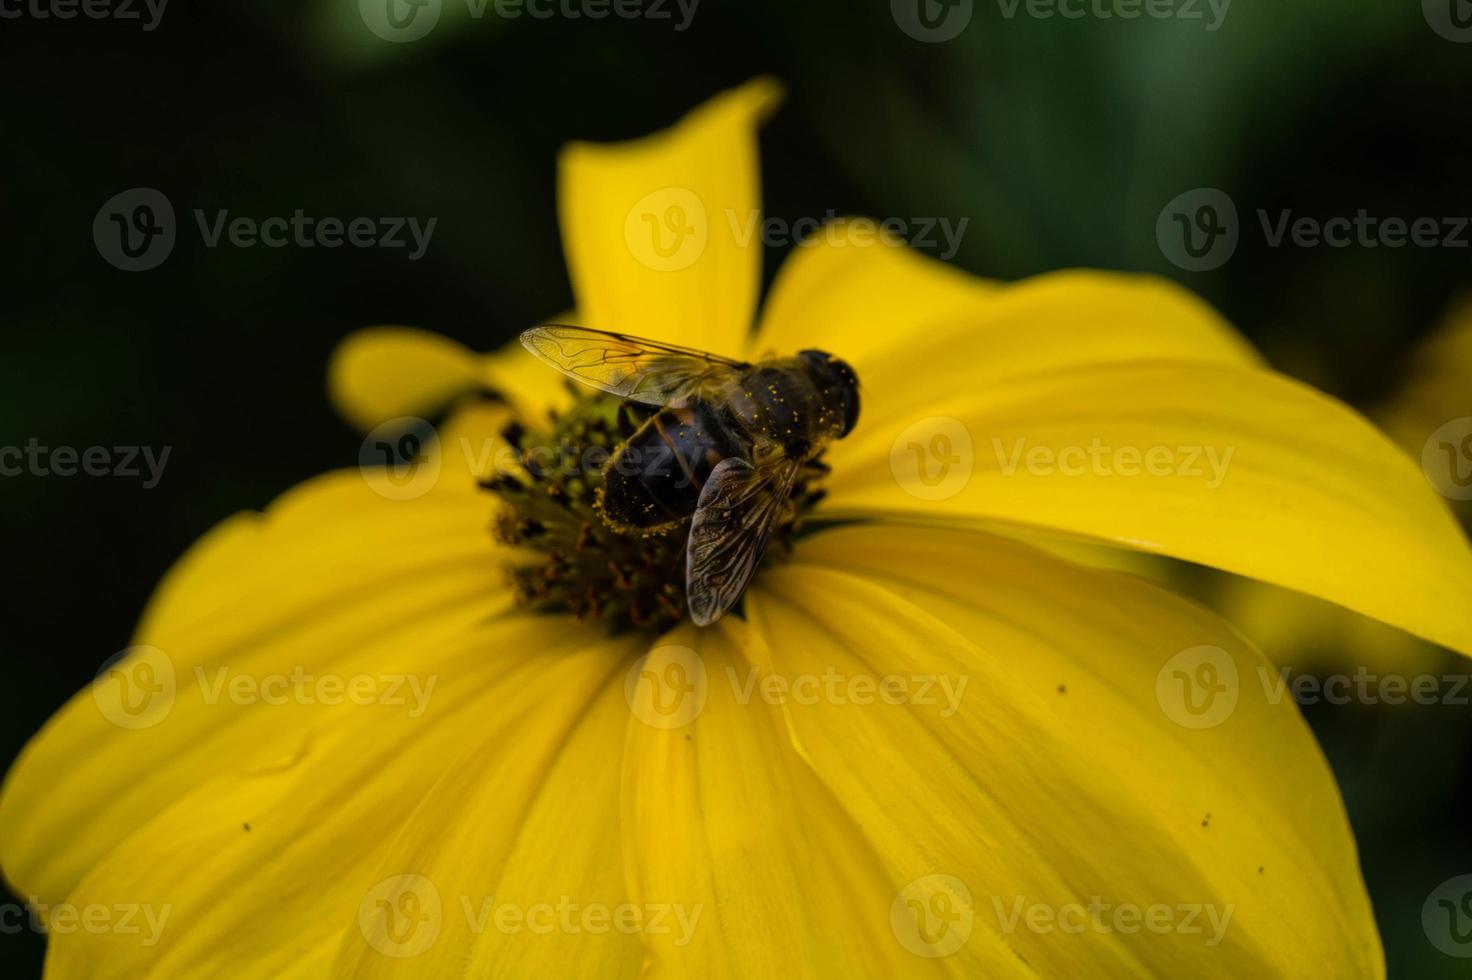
pixel 723 450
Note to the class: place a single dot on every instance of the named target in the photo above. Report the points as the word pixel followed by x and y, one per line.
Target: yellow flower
pixel 925 747
pixel 1430 417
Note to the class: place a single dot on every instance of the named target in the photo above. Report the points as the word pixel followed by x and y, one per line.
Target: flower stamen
pixel 629 580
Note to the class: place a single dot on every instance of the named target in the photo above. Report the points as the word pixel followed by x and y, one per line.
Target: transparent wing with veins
pixel 641 370
pixel 738 507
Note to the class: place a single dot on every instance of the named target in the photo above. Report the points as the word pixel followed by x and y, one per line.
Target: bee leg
pixel 630 418
pixel 690 474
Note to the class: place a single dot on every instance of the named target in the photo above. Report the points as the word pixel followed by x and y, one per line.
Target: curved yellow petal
pixel 912 326
pixel 1305 634
pixel 268 871
pixel 381 373
pixel 661 233
pixel 514 856
pixel 1237 468
pixel 1071 766
pixel 726 826
pixel 354 573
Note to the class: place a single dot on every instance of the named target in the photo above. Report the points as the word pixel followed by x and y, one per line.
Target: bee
pixel 720 443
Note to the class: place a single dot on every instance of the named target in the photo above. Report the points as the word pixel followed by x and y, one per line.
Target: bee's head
pixel 838 383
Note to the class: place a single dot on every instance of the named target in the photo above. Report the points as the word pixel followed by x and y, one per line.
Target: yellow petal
pixel 1237 468
pixel 268 872
pixel 912 326
pixel 655 230
pixel 381 373
pixel 1306 634
pixel 518 845
pixel 764 874
pixel 1038 754
pixel 351 573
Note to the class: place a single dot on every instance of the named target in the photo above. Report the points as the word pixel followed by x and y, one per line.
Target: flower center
pixel 627 579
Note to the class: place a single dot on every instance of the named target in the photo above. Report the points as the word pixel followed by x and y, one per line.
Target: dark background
pixel 1060 140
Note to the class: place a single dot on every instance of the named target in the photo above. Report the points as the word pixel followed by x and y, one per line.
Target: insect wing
pixel 738 506
pixel 630 367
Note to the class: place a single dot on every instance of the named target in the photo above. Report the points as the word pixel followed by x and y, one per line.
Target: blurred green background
pixel 1060 140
